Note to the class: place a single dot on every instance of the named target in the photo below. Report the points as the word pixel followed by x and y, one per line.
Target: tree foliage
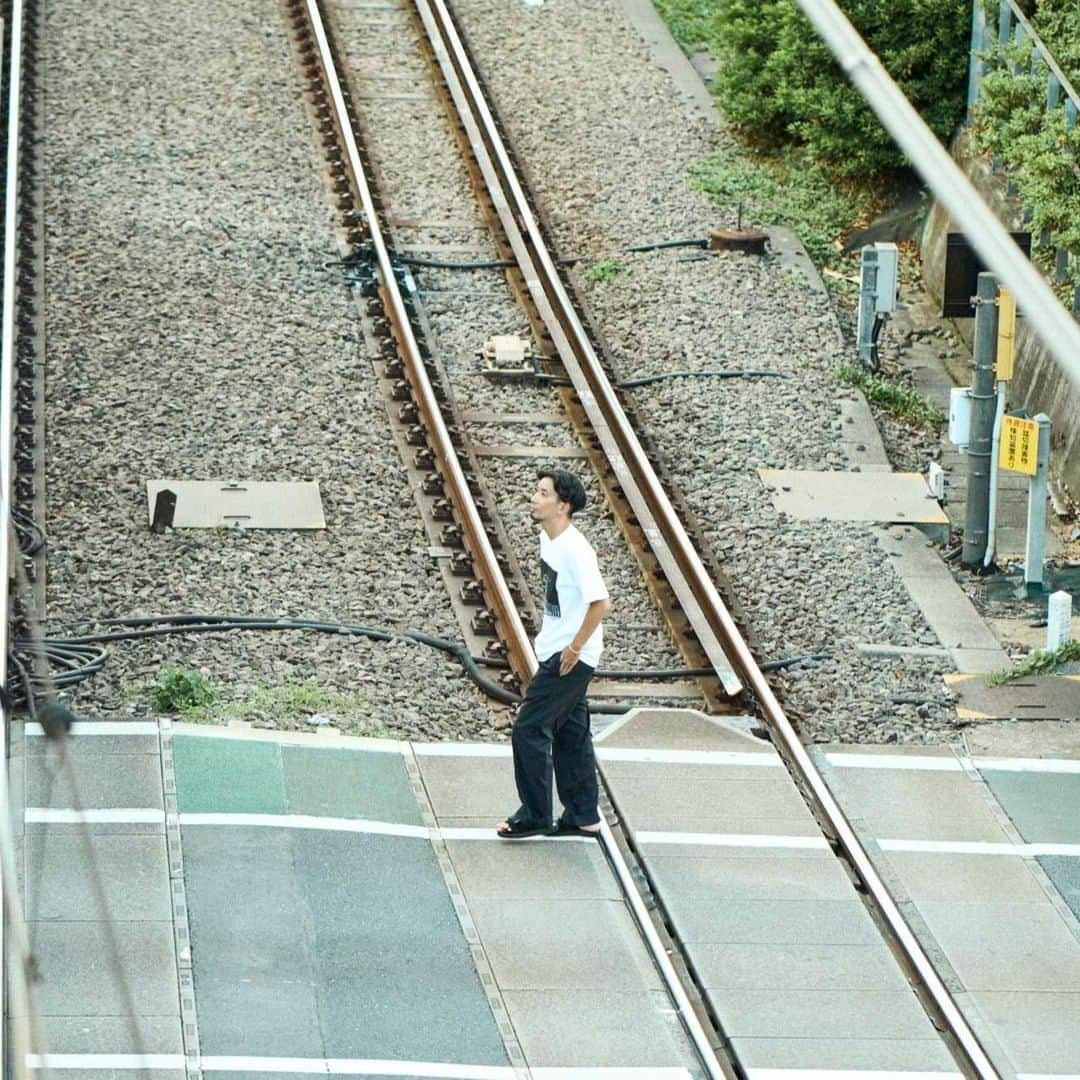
pixel 1014 125
pixel 779 83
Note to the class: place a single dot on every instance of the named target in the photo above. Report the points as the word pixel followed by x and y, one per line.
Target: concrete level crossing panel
pixel 98 899
pixel 322 929
pixel 1003 938
pixel 790 960
pixel 576 981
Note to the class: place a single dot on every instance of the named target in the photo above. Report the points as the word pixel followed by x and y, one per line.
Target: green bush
pixel 1042 157
pixel 178 691
pixel 777 81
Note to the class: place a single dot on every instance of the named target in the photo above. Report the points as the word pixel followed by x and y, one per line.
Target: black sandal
pixel 568 828
pixel 519 829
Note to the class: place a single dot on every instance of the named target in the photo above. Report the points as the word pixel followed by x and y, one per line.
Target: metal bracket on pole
pixel 1035 548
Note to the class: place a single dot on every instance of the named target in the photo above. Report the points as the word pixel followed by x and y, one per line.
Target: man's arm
pixel 593 617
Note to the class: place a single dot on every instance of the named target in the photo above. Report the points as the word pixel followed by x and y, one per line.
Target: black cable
pixel 645 380
pixel 79 657
pixel 30 535
pixel 506 264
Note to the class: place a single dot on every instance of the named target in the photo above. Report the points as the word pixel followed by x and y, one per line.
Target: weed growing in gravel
pixel 289 702
pixel 900 401
pixel 181 691
pixel 604 270
pixel 787 188
pixel 1039 662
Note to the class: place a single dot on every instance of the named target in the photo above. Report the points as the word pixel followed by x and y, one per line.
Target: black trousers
pixel 551 731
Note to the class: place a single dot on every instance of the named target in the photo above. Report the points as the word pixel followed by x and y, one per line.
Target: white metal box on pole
pixel 888 277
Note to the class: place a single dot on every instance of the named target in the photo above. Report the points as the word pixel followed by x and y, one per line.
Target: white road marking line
pixel 462 749
pixel 101 727
pixel 922 762
pixel 463 833
pixel 754 840
pixel 845 1074
pixel 979 847
pixel 49 815
pixel 692 757
pixel 107 1061
pixel 305 821
pixel 335 740
pixel 358 1067
pixel 611 1073
pixel 1039 765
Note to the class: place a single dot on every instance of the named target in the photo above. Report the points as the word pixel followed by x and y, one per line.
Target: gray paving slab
pixel 596 1028
pixel 83 746
pixel 652 848
pixel 916 804
pixel 80 975
pixel 1037 1030
pixel 679 729
pixel 133 870
pixel 388 949
pixel 796 966
pixel 1006 946
pixel 470 787
pixel 778 922
pixel 751 876
pixel 252 960
pixel 692 775
pixel 547 871
pixel 851 1056
pixel 115 1035
pixel 1064 872
pixel 131 780
pixel 821 1014
pixel 121 1074
pixel 527 945
pixel 929 876
pixel 335 782
pixel 661 792
pixel 1045 807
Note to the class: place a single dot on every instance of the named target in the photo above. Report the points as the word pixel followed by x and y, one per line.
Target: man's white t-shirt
pixel 571 581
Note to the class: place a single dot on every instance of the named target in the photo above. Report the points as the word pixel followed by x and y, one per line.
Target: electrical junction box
pixel 960 406
pixel 505 351
pixel 935 481
pixel 888 278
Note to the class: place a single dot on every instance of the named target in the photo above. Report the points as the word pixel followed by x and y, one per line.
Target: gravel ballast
pixel 609 142
pixel 196 332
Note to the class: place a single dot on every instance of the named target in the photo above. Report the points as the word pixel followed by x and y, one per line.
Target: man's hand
pixel 567 661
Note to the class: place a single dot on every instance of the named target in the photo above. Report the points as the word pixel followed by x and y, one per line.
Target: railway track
pixel 652 518
pixel 688 592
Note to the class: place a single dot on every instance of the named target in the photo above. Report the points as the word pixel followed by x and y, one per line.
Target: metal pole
pixel 983 407
pixel 976 66
pixel 867 305
pixel 995 443
pixel 1035 548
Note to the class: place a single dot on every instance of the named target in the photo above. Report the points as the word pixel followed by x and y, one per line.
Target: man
pixel 551 729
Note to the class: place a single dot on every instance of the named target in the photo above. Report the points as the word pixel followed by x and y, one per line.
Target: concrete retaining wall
pixel 1038 386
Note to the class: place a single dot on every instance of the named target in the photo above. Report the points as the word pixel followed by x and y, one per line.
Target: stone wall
pixel 1039 386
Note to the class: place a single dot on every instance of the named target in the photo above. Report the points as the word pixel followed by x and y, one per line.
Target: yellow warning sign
pixel 1006 343
pixel 1019 445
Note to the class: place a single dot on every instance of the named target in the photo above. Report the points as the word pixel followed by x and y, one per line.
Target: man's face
pixel 545 503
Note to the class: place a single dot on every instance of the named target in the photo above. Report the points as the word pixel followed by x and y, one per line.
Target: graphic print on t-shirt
pixel 549 587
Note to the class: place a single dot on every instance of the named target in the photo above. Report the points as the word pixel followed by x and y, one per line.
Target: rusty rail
pixel 508 621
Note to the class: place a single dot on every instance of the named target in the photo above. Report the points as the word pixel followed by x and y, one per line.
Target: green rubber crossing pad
pixel 240 776
pixel 227 776
pixel 348 783
pixel 1043 806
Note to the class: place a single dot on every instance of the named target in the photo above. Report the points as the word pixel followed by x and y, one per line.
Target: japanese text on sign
pixel 1019 445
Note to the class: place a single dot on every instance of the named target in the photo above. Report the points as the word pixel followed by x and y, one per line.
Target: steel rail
pixel 629 460
pixel 658 519
pixel 508 621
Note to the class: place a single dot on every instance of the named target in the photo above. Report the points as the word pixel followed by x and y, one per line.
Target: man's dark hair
pixel 568 487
